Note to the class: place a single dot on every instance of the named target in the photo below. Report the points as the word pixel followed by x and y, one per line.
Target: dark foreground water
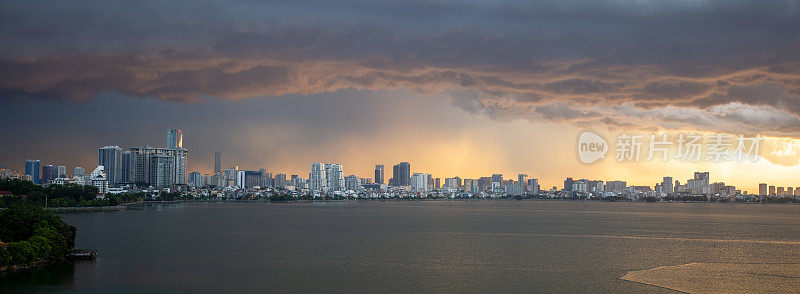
pixel 408 247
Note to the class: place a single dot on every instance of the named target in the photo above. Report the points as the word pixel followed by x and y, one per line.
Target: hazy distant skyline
pixel 457 88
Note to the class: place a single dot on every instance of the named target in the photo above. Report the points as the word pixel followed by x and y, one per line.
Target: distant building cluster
pixel 117 170
pixel 329 180
pixel 698 186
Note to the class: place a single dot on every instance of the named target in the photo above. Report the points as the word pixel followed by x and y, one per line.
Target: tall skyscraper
pixel 110 157
pixel 125 168
pixel 533 186
pixel 280 181
pixel 174 138
pixel 379 174
pixel 217 162
pixel 401 174
pixel 32 170
pixel 161 171
pixel 522 182
pixel 335 177
pixel 317 181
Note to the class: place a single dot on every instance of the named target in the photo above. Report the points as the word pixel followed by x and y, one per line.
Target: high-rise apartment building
pixel 110 157
pixel 32 169
pixel 616 186
pixel 125 167
pixel 569 185
pixel 521 181
pixel 280 181
pixel 667 185
pixel 379 174
pixel 334 176
pixel 352 183
pixel 217 162
pixel 762 189
pixel 419 182
pixel 196 180
pixel 401 174
pixel 162 171
pixel 316 178
pixel 143 172
pixel 533 186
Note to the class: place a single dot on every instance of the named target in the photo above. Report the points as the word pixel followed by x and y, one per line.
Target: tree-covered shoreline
pixel 30 234
pixel 70 195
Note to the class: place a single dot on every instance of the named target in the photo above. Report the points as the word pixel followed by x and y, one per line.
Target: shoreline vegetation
pixel 32 236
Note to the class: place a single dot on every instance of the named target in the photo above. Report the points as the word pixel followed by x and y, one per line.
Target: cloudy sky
pixel 458 88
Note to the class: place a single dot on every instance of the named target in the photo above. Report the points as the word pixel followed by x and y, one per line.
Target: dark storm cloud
pixel 668 64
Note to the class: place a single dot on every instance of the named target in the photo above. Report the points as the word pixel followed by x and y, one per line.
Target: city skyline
pixel 320 174
pixel 468 88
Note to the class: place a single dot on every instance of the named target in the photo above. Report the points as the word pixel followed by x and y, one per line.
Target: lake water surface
pixel 409 246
